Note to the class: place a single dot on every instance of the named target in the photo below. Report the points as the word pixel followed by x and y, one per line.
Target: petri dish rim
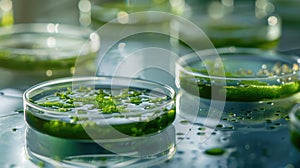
pixel 71 80
pixel 46 30
pixel 185 60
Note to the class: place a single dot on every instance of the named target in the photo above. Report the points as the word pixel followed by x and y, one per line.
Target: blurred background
pixel 216 17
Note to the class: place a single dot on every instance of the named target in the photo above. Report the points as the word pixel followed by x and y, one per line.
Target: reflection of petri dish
pixel 295 126
pixel 44 51
pixel 133 152
pixel 104 108
pixel 255 85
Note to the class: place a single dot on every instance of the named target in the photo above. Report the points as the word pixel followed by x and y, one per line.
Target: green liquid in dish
pixel 133 112
pixel 245 92
pixel 27 62
pixel 242 84
pixel 27 57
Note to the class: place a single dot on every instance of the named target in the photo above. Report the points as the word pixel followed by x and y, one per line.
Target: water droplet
pixel 201 128
pixel 287 118
pixel 231 115
pixel 213 133
pixel 19 111
pixel 219 126
pixel 180 152
pixel 224 139
pixel 179 133
pixel 200 133
pixel 277 114
pixel 268 121
pixel 184 122
pixel 215 151
pixel 230 127
pixel 180 138
pixel 270 103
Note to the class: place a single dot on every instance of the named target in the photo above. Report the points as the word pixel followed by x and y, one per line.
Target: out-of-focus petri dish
pixel 103 11
pixel 255 86
pixel 120 115
pixel 251 24
pixel 33 52
pixel 294 117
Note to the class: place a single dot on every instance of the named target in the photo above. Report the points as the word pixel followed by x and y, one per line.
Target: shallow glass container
pixel 238 86
pixel 33 52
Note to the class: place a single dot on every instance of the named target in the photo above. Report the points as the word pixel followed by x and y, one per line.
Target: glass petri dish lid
pixel 42 46
pixel 238 74
pixel 99 108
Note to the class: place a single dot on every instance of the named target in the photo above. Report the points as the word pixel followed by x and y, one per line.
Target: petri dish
pixel 33 52
pixel 251 24
pixel 294 116
pixel 255 86
pixel 121 120
pixel 92 108
pixel 118 12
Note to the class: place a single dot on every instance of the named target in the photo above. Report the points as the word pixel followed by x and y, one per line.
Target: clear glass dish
pixel 34 52
pixel 99 108
pixel 294 116
pixel 117 12
pixel 250 85
pixel 239 23
pixel 99 121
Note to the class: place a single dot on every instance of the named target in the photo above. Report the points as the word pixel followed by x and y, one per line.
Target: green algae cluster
pixel 133 112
